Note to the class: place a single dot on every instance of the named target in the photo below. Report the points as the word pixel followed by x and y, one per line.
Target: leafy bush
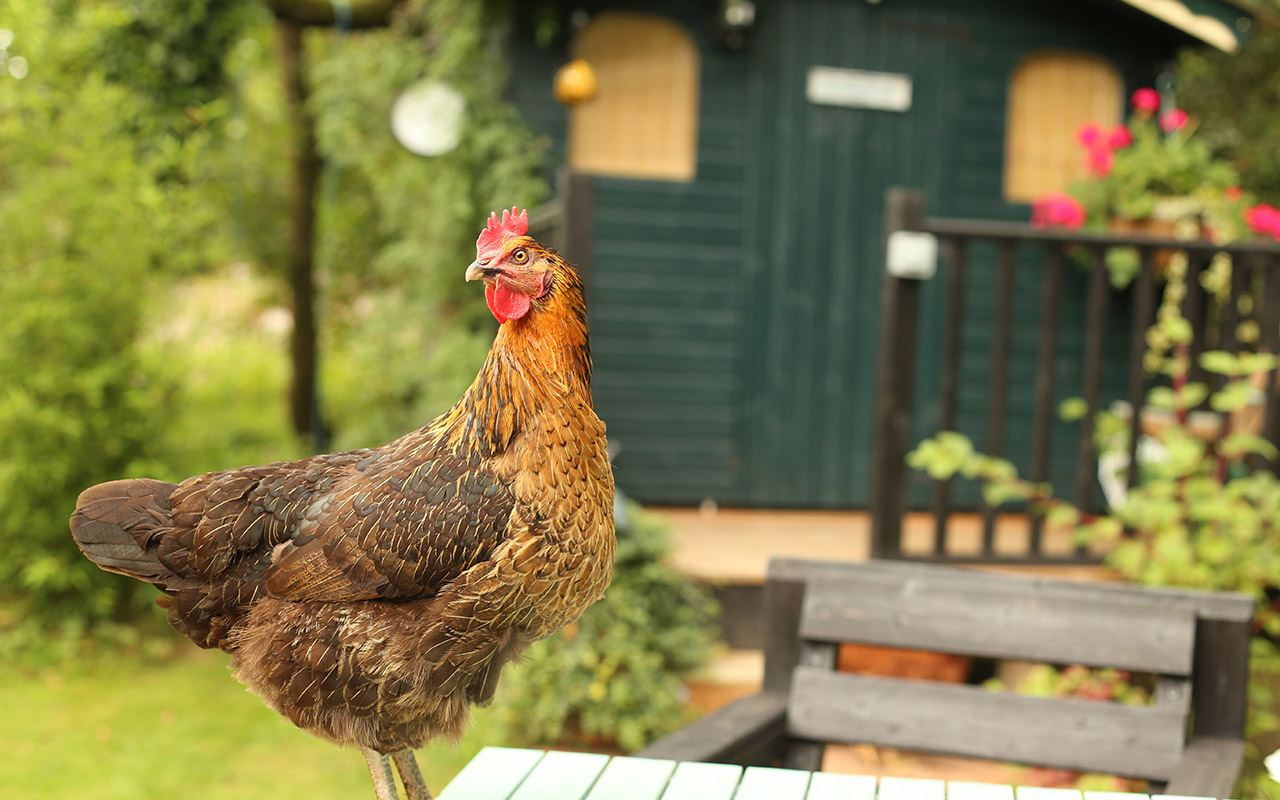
pixel 405 332
pixel 78 404
pixel 616 674
pixel 97 221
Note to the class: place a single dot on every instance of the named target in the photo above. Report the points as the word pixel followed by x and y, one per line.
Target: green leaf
pixel 996 494
pixel 1192 394
pixel 1220 361
pixel 1072 409
pixel 1062 514
pixel 1162 397
pixel 1185 452
pixel 1234 396
pixel 1106 528
pixel 1240 444
pixel 1251 363
pixel 1177 330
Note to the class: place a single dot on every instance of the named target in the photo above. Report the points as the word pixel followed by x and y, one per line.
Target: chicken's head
pixel 515 269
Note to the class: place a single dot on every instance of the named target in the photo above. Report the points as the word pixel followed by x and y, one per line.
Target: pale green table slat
pixel 561 776
pixel 966 790
pixel 1177 797
pixel 829 786
pixel 632 779
pixel 1114 796
pixel 912 789
pixel 696 781
pixel 767 783
pixel 493 774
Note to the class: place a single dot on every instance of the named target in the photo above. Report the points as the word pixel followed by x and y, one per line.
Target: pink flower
pixel 1173 120
pixel 1100 160
pixel 1089 135
pixel 1264 219
pixel 1119 137
pixel 1057 210
pixel 1146 100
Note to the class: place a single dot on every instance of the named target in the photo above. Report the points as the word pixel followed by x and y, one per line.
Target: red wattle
pixel 505 303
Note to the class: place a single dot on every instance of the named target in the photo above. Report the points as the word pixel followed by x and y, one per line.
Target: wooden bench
pixel 1188 741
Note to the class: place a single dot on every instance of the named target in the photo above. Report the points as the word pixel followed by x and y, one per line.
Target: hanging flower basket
pixel 1152 175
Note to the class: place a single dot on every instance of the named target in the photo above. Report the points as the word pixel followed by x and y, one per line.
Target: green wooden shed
pixel 740 154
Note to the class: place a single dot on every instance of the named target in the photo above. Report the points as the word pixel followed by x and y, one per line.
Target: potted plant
pixel 1152 174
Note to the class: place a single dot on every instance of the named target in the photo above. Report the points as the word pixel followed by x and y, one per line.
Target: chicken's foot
pixel 384 781
pixel 414 787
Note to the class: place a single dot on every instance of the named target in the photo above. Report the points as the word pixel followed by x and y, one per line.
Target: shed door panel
pixel 817 195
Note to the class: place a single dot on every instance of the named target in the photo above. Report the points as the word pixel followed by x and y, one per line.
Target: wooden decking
pixel 734 546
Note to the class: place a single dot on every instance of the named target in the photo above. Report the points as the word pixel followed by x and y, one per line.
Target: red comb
pixel 491 238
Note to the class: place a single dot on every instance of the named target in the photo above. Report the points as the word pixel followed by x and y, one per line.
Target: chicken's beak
pixel 475 271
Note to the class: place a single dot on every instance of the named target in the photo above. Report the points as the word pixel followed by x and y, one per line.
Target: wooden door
pixel 816 198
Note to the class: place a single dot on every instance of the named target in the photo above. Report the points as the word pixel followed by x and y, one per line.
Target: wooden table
pixel 504 773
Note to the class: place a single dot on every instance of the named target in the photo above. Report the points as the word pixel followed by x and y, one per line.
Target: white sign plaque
pixel 912 255
pixel 856 88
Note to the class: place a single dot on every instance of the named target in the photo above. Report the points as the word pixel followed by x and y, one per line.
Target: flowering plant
pixel 1153 173
pixel 1153 167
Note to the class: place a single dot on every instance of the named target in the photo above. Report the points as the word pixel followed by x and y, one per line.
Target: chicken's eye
pixel 520 256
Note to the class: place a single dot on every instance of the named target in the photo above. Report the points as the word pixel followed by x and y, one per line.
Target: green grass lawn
pixel 180 728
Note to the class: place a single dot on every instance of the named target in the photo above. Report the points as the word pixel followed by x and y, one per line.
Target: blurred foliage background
pixel 145 329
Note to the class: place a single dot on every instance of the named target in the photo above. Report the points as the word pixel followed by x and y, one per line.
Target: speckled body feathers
pixel 371 596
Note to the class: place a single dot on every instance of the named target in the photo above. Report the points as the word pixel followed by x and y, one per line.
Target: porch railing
pixel 1256 273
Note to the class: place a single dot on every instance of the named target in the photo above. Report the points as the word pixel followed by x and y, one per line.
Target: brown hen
pixel 372 596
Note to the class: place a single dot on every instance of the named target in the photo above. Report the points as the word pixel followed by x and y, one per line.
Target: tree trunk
pixel 302 223
pixel 361 13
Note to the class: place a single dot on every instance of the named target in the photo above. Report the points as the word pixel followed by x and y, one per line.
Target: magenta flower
pixel 1264 219
pixel 1100 161
pixel 1173 120
pixel 1146 100
pixel 1089 135
pixel 1057 210
pixel 1119 137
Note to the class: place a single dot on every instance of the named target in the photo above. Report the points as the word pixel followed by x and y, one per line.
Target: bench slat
pixel 1143 742
pixel 1226 606
pixel 964 614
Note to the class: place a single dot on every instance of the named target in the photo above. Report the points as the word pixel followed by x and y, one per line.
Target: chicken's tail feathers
pixel 118 526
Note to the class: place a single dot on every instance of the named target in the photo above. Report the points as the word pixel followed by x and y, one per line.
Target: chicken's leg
pixel 384 781
pixel 414 787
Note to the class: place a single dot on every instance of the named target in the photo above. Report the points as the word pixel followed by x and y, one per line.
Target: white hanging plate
pixel 427 118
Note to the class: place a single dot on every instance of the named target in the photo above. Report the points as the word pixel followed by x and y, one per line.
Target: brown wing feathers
pixel 118 525
pixel 341 527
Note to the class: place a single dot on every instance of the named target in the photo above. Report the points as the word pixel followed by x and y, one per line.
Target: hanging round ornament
pixel 427 118
pixel 576 82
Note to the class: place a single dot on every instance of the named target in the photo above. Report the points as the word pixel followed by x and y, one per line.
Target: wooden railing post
pixel 577 224
pixel 899 307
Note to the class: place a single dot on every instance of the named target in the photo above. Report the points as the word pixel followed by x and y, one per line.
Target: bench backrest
pixel 1182 637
